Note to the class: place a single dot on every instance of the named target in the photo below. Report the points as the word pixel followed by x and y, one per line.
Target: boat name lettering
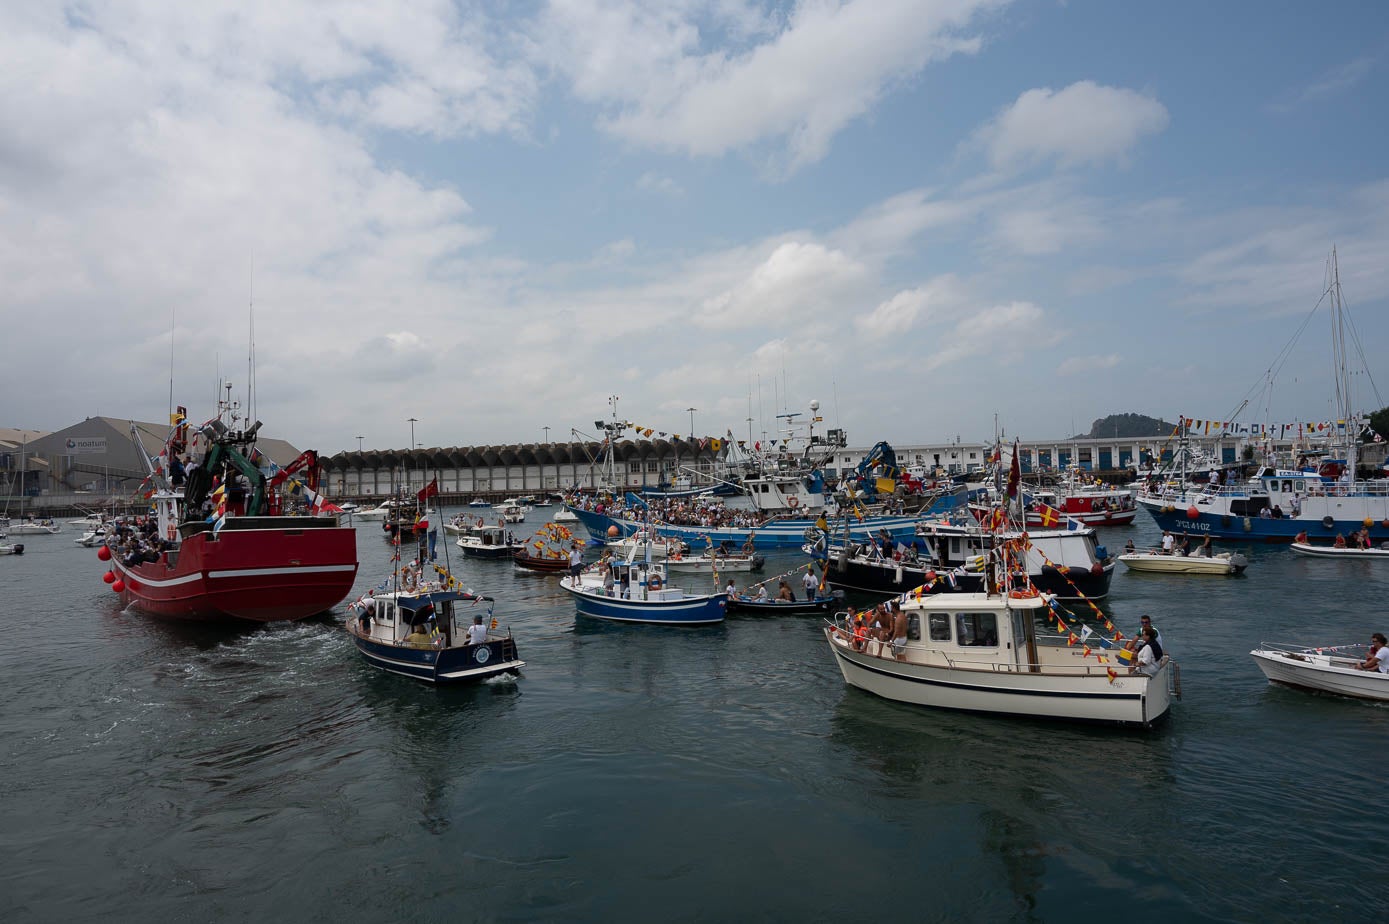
pixel 1189 526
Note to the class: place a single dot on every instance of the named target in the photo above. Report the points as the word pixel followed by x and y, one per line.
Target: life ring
pixel 793 502
pixel 1328 521
pixel 653 584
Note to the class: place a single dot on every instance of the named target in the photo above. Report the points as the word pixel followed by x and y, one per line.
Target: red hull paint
pixel 1113 518
pixel 261 575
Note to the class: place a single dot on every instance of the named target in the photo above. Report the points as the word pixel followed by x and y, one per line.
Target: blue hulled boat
pixel 639 593
pixel 787 532
pixel 429 634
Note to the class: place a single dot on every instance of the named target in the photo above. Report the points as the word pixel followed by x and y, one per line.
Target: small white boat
pixel 980 653
pixel 510 511
pixel 661 546
pixel 379 512
pixel 91 538
pixel 1220 563
pixel 1330 669
pixel 709 563
pixel 90 521
pixel 564 516
pixel 29 527
pixel 8 548
pixel 1328 551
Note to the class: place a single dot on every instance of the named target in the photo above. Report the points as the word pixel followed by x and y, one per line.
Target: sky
pixel 494 217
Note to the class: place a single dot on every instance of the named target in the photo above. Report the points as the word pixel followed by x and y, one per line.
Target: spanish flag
pixel 1110 672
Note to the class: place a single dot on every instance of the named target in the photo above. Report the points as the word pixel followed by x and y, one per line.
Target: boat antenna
pixel 251 352
pixel 173 318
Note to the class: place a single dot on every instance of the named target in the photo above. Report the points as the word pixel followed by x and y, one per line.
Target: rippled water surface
pixel 158 771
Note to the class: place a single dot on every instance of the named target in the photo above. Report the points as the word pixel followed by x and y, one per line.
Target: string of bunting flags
pixel 1275 430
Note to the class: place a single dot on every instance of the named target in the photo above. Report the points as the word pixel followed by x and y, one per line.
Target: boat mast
pixel 1344 408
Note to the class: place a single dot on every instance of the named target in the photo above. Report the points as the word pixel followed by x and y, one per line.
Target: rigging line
pixel 1281 358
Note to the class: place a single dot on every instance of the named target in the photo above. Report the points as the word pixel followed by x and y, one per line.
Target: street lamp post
pixel 547 434
pixel 412 431
pixel 359 443
pixel 691 410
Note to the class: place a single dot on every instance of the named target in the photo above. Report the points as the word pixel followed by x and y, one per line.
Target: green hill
pixel 1126 426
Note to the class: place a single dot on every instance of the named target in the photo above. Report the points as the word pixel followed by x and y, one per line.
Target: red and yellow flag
pixel 1049 516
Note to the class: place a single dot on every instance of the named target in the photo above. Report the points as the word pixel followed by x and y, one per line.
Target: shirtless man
pixel 899 630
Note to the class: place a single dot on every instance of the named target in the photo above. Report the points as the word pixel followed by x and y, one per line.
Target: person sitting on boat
pixel 1129 547
pixel 1149 653
pixel 784 592
pixel 1378 658
pixel 1145 623
pixel 731 589
pixel 761 593
pixel 1362 538
pixel 419 637
pixel 1340 542
pixel 1277 512
pixel 477 632
pixel 860 632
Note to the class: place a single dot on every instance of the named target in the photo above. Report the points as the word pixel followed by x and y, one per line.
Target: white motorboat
pixel 980 652
pixel 1220 563
pixel 564 516
pixel 710 562
pixel 661 546
pixel 379 512
pixel 1330 551
pixel 90 521
pixel 510 511
pixel 91 538
pixel 30 527
pixel 16 548
pixel 1330 669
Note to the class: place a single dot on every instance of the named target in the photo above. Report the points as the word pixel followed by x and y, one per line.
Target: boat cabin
pixel 394 616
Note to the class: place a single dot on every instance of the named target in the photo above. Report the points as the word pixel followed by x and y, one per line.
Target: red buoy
pixel 109 577
pixel 118 586
pixel 1192 512
pixel 104 553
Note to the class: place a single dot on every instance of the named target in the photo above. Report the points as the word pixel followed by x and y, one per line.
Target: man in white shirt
pixel 477 632
pixel 809 582
pixel 1167 542
pixel 1378 659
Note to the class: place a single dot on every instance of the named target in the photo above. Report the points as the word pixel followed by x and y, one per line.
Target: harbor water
pixel 158 771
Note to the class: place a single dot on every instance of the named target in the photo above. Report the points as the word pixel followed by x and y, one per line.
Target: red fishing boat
pixel 240 539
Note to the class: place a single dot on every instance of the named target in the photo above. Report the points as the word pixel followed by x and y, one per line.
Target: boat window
pixel 940 627
pixel 977 629
pixel 914 627
pixel 1287 487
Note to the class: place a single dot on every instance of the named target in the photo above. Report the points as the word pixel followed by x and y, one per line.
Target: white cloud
pixel 913 307
pixel 659 184
pixel 1330 83
pixel 1078 365
pixel 1080 124
pixel 821 68
pixel 795 280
